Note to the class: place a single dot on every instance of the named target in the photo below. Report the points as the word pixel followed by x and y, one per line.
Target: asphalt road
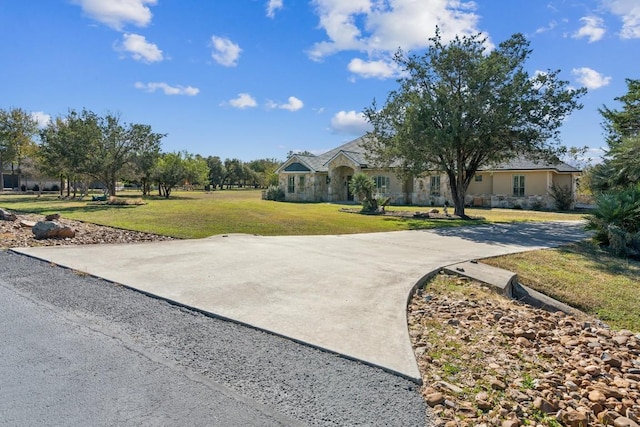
pixel 75 350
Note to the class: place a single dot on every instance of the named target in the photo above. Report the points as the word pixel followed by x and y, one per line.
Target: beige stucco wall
pixel 483 187
pixel 535 182
pixel 563 180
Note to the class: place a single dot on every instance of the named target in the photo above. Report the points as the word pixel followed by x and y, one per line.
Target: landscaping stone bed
pixel 18 233
pixel 488 360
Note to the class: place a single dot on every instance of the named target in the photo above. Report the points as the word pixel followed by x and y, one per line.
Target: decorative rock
pixel 544 405
pixel 7 216
pixel 570 385
pixel 593 370
pixel 624 422
pixel 597 396
pixel 574 418
pixel 620 339
pixel 528 334
pixel 51 230
pixel 482 401
pixel 451 387
pixel 52 217
pixel 496 384
pixel 511 423
pixel 434 399
pixel 27 224
pixel 634 415
pixel 610 361
pixel 607 417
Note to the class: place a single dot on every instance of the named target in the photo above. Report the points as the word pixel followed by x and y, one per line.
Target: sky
pixel 253 79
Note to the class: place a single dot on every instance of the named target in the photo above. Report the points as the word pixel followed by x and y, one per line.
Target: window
pixel 291 184
pixel 518 185
pixel 382 184
pixel 477 178
pixel 435 185
pixel 301 184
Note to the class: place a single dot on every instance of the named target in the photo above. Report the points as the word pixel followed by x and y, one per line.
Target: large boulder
pixel 51 230
pixel 7 216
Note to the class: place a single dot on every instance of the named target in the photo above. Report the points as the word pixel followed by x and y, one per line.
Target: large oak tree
pixel 460 107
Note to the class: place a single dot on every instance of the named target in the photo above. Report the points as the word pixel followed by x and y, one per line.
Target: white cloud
pixel 629 12
pixel 375 26
pixel 140 49
pixel 379 69
pixel 117 13
pixel 591 79
pixel 272 6
pixel 294 104
pixel 41 118
pixel 244 100
pixel 350 122
pixel 549 27
pixel 225 52
pixel 167 89
pixel 593 28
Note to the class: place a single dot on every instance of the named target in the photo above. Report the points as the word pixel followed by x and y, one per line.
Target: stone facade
pixel 519 183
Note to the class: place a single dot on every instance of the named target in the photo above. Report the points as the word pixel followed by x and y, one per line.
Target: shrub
pixel 364 187
pixel 125 202
pixel 616 221
pixel 563 196
pixel 36 187
pixel 274 193
pixel 55 187
pixel 537 205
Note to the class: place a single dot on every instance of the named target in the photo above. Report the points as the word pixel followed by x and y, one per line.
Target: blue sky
pixel 257 78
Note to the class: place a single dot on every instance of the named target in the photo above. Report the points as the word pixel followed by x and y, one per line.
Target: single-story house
pixel 325 178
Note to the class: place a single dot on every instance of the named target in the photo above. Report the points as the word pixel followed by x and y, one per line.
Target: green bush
pixel 616 221
pixel 274 193
pixel 364 187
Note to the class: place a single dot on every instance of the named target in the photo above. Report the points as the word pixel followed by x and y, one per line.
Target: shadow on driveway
pixel 528 234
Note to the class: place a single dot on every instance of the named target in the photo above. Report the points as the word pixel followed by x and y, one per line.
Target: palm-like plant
pixel 364 188
pixel 616 221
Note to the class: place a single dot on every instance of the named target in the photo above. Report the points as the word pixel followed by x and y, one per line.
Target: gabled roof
pixel 320 163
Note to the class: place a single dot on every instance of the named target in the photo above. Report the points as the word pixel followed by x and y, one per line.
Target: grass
pixel 198 214
pixel 585 277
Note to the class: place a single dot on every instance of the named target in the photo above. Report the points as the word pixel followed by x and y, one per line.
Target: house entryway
pixel 340 178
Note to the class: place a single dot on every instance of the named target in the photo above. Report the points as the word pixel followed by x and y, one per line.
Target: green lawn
pixel 585 277
pixel 197 214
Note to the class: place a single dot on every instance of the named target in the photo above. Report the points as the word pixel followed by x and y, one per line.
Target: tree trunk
pixel 458 191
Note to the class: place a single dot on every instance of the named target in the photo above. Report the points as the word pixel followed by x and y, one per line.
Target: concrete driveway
pixel 343 293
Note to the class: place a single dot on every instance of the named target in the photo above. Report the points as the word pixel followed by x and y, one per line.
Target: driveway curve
pixel 343 293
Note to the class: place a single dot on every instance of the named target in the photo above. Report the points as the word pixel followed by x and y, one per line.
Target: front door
pixel 349 193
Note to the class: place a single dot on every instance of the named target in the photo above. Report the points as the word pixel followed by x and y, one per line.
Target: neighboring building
pixel 15 179
pixel 326 177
